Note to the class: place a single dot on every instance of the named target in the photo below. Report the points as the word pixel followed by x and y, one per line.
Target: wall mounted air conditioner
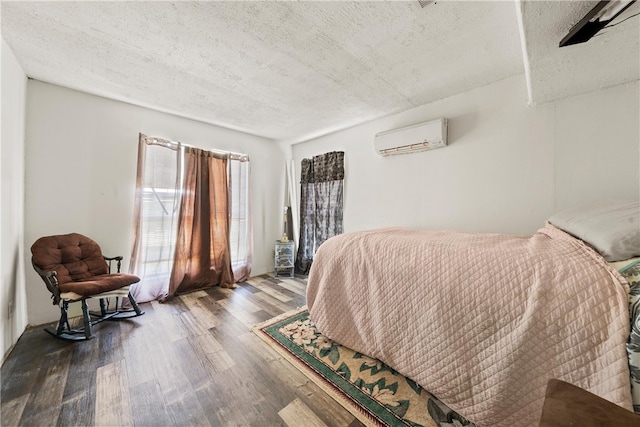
pixel 412 139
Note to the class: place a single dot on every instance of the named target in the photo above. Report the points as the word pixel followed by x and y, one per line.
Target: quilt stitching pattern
pixel 488 361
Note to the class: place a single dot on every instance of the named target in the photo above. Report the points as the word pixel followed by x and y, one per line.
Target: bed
pixel 483 321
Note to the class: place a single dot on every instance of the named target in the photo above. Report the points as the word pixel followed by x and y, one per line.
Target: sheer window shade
pixel 157 204
pixel 240 233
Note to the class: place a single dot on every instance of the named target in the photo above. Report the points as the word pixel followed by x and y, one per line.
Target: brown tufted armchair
pixel 74 270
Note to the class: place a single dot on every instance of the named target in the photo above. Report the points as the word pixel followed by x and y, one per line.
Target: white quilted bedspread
pixel 481 321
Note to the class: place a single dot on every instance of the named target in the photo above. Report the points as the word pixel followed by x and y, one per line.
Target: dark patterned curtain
pixel 321 187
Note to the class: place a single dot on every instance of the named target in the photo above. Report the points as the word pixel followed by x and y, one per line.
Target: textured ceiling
pixel 290 71
pixel 611 57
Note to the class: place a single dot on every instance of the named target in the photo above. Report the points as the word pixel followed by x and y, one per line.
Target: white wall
pixel 598 145
pixel 13 303
pixel 81 153
pixel 508 166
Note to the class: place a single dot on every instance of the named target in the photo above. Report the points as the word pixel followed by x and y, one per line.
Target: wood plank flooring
pixel 190 362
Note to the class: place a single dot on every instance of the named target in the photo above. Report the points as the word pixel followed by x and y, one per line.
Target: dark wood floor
pixel 189 362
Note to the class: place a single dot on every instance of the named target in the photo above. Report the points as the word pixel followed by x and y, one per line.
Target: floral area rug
pixel 373 392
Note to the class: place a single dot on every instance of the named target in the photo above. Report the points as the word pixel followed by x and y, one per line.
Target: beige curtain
pixel 241 230
pixel 202 256
pixel 155 217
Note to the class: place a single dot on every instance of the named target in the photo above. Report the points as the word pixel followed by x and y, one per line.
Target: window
pixel 159 194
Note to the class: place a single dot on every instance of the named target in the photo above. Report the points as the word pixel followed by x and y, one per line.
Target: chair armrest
pixel 51 280
pixel 118 258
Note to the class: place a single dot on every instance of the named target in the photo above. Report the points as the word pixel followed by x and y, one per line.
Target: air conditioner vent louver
pixel 412 139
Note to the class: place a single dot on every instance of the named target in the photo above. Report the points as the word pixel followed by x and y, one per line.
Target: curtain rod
pixel 174 145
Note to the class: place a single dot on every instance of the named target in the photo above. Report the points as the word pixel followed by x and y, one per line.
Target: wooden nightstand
pixel 568 405
pixel 284 259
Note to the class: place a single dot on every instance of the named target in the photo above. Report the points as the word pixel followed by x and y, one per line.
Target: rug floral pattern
pixel 388 397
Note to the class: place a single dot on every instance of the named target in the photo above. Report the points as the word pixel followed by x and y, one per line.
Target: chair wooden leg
pixel 134 305
pixel 64 320
pixel 103 307
pixel 86 319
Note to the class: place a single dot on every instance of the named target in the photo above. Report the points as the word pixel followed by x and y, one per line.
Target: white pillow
pixel 612 227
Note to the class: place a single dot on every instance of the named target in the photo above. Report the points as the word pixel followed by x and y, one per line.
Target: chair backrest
pixel 72 256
